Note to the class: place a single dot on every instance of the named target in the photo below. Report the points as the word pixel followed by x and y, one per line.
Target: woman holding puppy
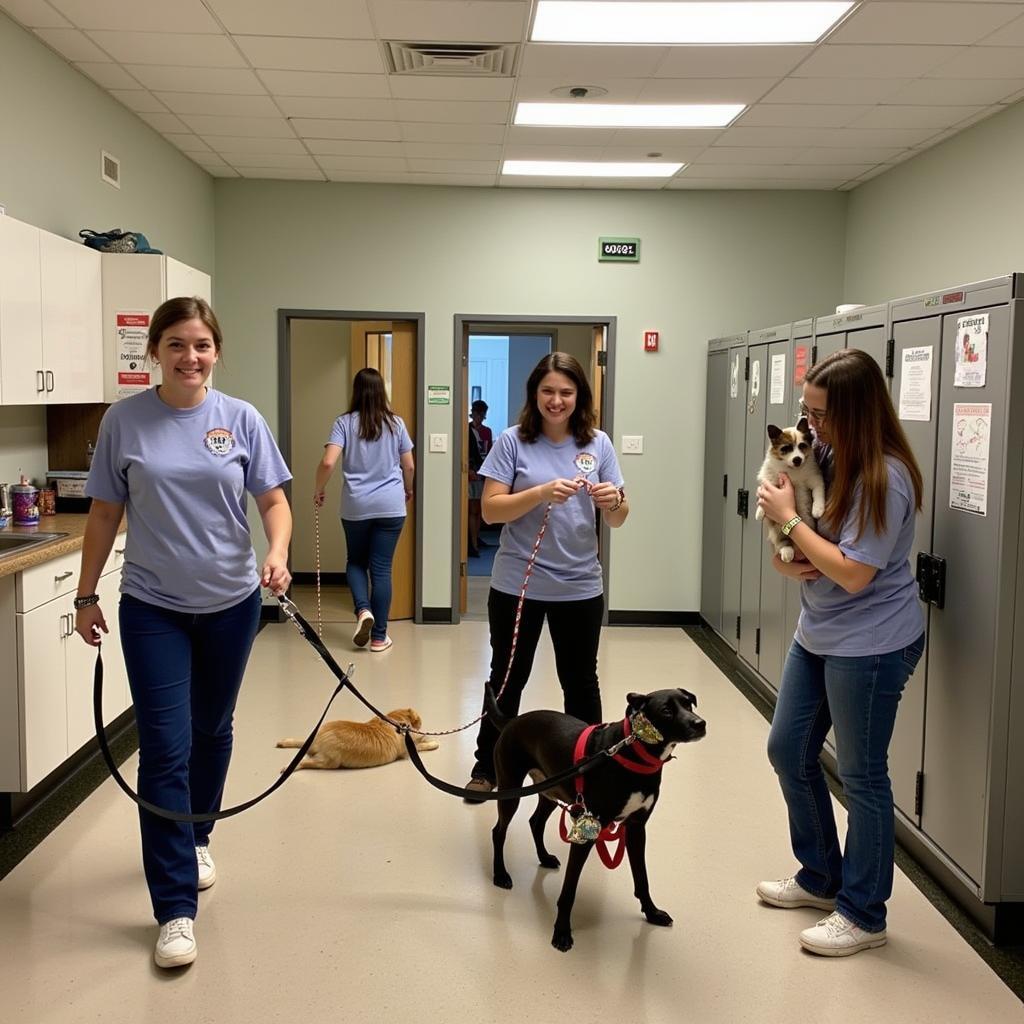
pixel 859 638
pixel 554 455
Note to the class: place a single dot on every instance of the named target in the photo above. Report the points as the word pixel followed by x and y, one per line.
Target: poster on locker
pixel 734 377
pixel 968 470
pixel 777 385
pixel 916 384
pixel 971 350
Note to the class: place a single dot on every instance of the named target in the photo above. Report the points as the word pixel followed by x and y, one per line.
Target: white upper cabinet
pixel 22 374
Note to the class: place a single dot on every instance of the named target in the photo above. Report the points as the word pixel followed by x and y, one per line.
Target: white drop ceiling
pixel 301 89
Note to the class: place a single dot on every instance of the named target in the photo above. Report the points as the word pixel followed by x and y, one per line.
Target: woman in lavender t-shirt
pixel 859 638
pixel 377 452
pixel 554 455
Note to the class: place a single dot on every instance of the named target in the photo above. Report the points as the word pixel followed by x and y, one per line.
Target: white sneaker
pixel 176 946
pixel 838 936
pixel 207 869
pixel 786 893
pixel 364 623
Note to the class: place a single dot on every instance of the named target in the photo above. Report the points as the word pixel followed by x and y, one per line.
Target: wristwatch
pixel 85 602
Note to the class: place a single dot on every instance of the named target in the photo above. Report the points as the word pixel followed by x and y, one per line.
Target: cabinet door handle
pixel 63 576
pixel 63 626
pixel 40 381
pixel 118 551
pixel 49 380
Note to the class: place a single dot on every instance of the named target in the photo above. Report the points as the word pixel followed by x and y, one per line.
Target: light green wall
pixel 712 263
pixel 953 215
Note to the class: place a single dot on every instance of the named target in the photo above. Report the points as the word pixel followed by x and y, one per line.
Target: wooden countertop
pixel 71 523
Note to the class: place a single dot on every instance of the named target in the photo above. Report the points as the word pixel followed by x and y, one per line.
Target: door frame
pixel 284 402
pixel 460 415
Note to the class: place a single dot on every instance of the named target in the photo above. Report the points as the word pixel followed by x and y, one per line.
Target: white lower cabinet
pixel 55 670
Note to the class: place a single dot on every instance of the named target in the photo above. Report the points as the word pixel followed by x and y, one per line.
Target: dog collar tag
pixel 584 829
pixel 643 730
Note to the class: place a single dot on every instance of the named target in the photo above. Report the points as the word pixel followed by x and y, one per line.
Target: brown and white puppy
pixel 342 744
pixel 790 452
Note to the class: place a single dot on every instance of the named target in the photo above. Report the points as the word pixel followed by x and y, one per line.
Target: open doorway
pixel 319 354
pixel 493 359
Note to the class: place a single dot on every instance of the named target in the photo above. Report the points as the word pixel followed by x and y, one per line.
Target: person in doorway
pixel 179 459
pixel 554 457
pixel 859 638
pixel 376 449
pixel 480 443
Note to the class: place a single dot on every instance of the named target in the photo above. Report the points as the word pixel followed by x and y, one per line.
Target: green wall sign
pixel 618 250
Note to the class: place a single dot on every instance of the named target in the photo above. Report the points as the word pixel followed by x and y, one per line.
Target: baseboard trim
pixel 635 618
pixel 437 615
pixel 327 579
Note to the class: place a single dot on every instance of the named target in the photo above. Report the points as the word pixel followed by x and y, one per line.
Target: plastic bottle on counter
pixel 25 499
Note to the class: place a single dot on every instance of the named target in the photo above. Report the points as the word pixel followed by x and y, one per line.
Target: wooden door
pixel 391 349
pixel 597 369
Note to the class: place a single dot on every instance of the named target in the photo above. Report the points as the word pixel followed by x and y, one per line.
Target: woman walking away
pixel 858 640
pixel 376 451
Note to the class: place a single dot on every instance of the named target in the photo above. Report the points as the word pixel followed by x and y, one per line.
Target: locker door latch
pixel 931 579
pixel 743 503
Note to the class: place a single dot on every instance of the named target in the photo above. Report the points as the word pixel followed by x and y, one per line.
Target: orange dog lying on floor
pixel 342 744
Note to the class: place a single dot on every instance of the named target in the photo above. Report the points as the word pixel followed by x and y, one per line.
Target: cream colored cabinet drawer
pixel 42 583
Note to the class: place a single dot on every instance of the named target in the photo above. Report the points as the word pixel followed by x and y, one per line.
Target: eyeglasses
pixel 819 417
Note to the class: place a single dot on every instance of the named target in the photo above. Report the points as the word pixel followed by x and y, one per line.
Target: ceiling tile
pixel 421 87
pixel 730 61
pixel 1011 34
pixel 641 154
pixel 456 21
pixel 656 138
pixel 208 160
pixel 324 128
pixel 453 166
pixel 780 172
pixel 109 76
pixel 35 14
pixel 932 117
pixel 705 90
pixel 258 127
pixel 339 19
pixel 561 136
pixel 529 151
pixel 478 180
pixel 358 57
pixel 634 184
pixel 235 144
pixel 451 151
pixel 744 155
pixel 827 137
pixel 982 62
pixel 334 107
pixel 483 134
pixel 228 81
pixel 801 115
pixel 875 61
pixel 164 122
pixel 229 106
pixel 617 90
pixel 220 172
pixel 453 112
pixel 136 16
pixel 72 44
pixel 956 91
pixel 685 182
pixel 188 143
pixel 169 48
pixel 286 174
pixel 349 147
pixel 860 155
pixel 362 163
pixel 280 160
pixel 951 23
pixel 573 64
pixel 139 100
pixel 326 83
pixel 834 90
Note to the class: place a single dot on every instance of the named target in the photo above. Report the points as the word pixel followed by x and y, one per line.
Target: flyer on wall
pixel 968 470
pixel 134 370
pixel 777 385
pixel 971 351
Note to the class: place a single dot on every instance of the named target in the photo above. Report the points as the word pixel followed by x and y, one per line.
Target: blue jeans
pixel 185 671
pixel 371 547
pixel 859 696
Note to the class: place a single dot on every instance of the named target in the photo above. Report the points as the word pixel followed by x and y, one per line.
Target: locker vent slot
pixel 918 794
pixel 757 640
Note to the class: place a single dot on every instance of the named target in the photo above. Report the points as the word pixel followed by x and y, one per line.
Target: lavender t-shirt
pixel 183 475
pixel 372 487
pixel 567 568
pixel 886 615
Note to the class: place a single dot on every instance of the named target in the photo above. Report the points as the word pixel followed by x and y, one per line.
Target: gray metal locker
pixel 715 484
pixel 732 537
pixel 866 329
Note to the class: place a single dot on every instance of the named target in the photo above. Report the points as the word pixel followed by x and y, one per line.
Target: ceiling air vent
pixel 494 60
pixel 110 169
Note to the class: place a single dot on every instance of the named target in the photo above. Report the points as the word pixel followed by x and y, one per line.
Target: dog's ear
pixel 636 701
pixel 689 696
pixel 773 432
pixel 803 426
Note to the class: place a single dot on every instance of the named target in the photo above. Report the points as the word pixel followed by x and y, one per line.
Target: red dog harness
pixel 614 831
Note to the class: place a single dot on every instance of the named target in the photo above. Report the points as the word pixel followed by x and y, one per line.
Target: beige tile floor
pixel 365 896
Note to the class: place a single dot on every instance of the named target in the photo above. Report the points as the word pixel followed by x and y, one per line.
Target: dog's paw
pixel 658 917
pixel 428 745
pixel 562 940
pixel 818 509
pixel 786 554
pixel 759 514
pixel 503 880
pixel 549 860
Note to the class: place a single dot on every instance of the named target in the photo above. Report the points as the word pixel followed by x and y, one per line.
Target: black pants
pixel 575 628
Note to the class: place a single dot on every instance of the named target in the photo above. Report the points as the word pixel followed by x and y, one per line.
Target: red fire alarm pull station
pixel 650 341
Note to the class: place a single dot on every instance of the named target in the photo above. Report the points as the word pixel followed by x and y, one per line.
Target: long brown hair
pixel 864 429
pixel 583 420
pixel 370 400
pixel 174 311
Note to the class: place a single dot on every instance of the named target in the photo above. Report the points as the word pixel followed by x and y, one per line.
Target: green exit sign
pixel 618 250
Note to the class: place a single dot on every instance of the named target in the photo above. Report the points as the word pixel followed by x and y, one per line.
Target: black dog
pixel 542 743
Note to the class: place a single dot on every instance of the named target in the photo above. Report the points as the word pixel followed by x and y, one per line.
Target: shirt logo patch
pixel 220 440
pixel 585 462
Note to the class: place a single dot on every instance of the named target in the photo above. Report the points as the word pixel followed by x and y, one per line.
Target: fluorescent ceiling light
pixel 628 115
pixel 589 169
pixel 585 21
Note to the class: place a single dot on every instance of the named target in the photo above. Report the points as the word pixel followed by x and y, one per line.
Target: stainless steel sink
pixel 16 543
